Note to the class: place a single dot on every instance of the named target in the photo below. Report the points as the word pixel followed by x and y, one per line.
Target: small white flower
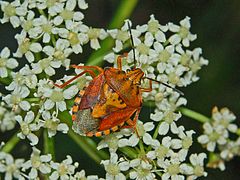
pixel 10 166
pixel 60 52
pixel 111 141
pixel 42 28
pixel 141 170
pixel 16 99
pixel 114 166
pixel 93 34
pixel 47 65
pixel 6 62
pixel 67 14
pixel 26 47
pixel 56 97
pixel 25 78
pixel 212 136
pixel 13 11
pixel 183 33
pixel 224 118
pixel 162 150
pixel 37 163
pixel 63 170
pixel 52 124
pixel 7 121
pixel 27 126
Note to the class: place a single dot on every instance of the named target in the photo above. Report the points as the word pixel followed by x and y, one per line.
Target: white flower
pixel 52 124
pixel 60 52
pixel 6 62
pixel 42 28
pixel 120 36
pixel 25 78
pixel 197 166
pixel 173 169
pixel 10 166
pixel 26 47
pixel 141 131
pixel 27 23
pixel 169 119
pixel 224 118
pixel 67 14
pixel 212 136
pixel 111 141
pixel 37 163
pixel 7 121
pixel 73 33
pixel 162 150
pixel 183 33
pixel 27 126
pixel 141 170
pixel 13 11
pixel 63 170
pixel 154 28
pixel 114 167
pixel 16 99
pixel 185 141
pixel 231 149
pixel 47 65
pixel 56 97
pixel 93 34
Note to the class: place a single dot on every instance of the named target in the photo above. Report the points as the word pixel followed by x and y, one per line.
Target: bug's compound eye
pixel 128 70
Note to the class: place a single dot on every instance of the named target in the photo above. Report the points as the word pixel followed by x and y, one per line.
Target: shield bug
pixel 112 100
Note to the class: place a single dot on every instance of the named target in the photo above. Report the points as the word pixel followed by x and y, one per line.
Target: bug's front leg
pixel 92 73
pixel 119 60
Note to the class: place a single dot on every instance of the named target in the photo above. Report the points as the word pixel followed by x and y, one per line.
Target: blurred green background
pixel 217 25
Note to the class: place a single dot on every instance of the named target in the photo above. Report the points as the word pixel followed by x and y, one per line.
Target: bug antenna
pixel 167 85
pixel 132 43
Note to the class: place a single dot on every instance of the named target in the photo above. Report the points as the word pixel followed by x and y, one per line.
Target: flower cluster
pixel 40 164
pixel 216 136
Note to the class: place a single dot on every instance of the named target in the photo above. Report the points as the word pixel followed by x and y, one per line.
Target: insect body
pixel 112 100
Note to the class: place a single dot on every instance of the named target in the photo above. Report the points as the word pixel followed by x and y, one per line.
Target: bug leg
pixel 75 77
pixel 149 89
pixel 119 60
pixel 132 123
pixel 87 67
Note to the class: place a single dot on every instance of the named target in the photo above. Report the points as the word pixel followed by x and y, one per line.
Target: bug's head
pixel 135 75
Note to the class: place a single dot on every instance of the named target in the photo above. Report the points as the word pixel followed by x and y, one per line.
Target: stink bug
pixel 112 100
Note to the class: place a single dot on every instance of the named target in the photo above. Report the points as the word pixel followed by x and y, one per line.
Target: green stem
pixel 141 147
pixel 11 143
pixel 194 115
pixel 5 81
pixel 129 152
pixel 123 12
pixel 48 144
pixel 238 132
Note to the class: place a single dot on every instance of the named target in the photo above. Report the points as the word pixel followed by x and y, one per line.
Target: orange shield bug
pixel 112 100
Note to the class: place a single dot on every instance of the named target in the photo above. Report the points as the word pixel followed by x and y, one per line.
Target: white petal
pixel 35 47
pixel 5 53
pixel 25 105
pixel 33 138
pixel 163 128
